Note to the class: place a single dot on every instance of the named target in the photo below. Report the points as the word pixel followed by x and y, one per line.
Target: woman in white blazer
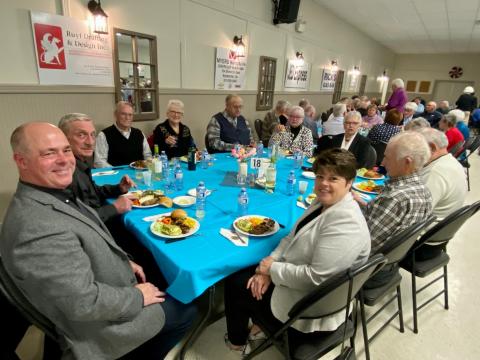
pixel 331 236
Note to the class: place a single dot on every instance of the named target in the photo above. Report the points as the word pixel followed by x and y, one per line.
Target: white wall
pixel 187 31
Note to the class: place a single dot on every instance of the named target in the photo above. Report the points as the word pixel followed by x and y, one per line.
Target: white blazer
pixel 332 242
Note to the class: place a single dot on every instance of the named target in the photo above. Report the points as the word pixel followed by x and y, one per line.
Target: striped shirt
pixel 404 201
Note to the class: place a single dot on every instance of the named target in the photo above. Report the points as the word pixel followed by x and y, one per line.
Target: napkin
pixel 234 237
pixel 155 217
pixel 107 172
pixel 300 204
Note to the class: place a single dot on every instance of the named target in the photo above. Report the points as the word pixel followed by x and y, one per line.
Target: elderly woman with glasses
pixel 172 136
pixel 294 136
pixel 331 236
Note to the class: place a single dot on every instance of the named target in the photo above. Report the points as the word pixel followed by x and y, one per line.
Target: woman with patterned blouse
pixel 172 136
pixel 294 136
pixel 382 133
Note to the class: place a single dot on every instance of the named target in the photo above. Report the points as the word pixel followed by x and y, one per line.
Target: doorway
pixel 449 90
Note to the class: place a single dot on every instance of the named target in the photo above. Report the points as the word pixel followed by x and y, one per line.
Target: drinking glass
pixel 147 178
pixel 138 174
pixel 302 187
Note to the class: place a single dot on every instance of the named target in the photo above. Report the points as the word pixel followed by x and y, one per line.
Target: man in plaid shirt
pixel 405 200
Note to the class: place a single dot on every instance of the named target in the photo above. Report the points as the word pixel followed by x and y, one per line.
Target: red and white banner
pixel 68 53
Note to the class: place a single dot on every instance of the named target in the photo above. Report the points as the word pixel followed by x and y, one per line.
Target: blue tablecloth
pixel 192 265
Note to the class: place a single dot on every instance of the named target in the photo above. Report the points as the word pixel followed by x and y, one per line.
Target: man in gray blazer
pixel 62 258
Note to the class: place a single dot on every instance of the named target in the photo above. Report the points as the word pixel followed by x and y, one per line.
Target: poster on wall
pixel 329 78
pixel 68 53
pixel 297 75
pixel 229 70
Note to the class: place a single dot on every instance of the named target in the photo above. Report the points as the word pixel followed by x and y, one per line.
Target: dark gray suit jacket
pixel 71 271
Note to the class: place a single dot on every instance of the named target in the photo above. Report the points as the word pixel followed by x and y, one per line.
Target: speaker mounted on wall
pixel 285 11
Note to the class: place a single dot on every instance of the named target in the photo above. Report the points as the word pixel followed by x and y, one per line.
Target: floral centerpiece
pixel 242 155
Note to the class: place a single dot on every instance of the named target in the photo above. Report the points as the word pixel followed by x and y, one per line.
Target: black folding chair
pixel 14 295
pixel 380 149
pixel 371 158
pixel 471 146
pixel 395 249
pixel 328 298
pixel 456 148
pixel 258 128
pixel 439 235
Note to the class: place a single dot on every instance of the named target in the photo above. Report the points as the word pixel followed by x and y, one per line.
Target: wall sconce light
pixel 383 77
pixel 99 23
pixel 300 60
pixel 355 71
pixel 239 46
pixel 334 66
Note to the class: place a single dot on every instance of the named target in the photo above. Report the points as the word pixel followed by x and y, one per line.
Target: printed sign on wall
pixel 297 75
pixel 329 78
pixel 229 70
pixel 68 53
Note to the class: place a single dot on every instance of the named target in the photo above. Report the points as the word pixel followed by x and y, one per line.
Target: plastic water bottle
pixel 164 160
pixel 201 197
pixel 259 149
pixel 205 157
pixel 319 129
pixel 291 183
pixel 243 202
pixel 178 178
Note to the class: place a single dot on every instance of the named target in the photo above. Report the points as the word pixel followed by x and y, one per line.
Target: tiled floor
pixel 442 334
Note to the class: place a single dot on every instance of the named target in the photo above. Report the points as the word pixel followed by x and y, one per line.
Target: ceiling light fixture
pixel 334 66
pixel 300 60
pixel 383 77
pixel 99 23
pixel 355 71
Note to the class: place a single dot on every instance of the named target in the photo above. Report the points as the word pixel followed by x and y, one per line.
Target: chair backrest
pixel 380 149
pixel 396 248
pixel 445 230
pixel 331 296
pixel 371 158
pixel 456 148
pixel 13 294
pixel 258 128
pixel 474 145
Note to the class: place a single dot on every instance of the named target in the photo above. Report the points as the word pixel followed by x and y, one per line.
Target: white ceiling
pixel 414 26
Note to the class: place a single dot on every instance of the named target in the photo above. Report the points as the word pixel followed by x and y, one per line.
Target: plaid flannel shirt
pixel 213 133
pixel 404 201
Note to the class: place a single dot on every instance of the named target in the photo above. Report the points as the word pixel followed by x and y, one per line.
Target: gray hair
pixel 353 115
pixel 303 103
pixel 434 136
pixel 66 121
pixel 297 109
pixel 459 114
pixel 339 109
pixel 119 104
pixel 413 145
pixel 175 102
pixel 398 83
pixel 411 106
pixel 417 124
pixel 451 119
pixel 445 102
pixel 282 105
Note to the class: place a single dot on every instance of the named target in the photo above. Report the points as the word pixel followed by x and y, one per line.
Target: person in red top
pixel 454 136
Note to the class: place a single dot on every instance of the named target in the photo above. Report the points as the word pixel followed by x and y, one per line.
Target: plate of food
pixel 368 187
pixel 193 192
pixel 309 199
pixel 140 164
pixel 261 181
pixel 174 226
pixel 309 175
pixel 184 201
pixel 149 198
pixel 256 225
pixel 369 174
pixel 311 160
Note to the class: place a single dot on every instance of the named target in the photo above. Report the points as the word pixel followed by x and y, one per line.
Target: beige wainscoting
pixel 25 103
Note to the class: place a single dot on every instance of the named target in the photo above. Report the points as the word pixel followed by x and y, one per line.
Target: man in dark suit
pixel 351 140
pixel 60 255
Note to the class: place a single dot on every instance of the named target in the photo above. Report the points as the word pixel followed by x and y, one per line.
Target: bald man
pixel 60 255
